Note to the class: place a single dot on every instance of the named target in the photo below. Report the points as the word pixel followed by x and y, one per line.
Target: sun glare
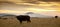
pixel 38 10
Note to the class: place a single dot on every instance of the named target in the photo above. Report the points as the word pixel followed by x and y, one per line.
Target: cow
pixel 23 18
pixel 56 16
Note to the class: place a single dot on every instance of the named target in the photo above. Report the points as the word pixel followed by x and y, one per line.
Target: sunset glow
pixel 40 7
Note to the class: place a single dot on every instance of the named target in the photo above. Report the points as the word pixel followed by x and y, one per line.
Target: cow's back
pixel 23 17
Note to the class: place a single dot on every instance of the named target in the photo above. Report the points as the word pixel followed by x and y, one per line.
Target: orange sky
pixel 51 8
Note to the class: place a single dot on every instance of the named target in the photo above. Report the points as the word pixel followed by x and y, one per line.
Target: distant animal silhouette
pixel 56 16
pixel 23 18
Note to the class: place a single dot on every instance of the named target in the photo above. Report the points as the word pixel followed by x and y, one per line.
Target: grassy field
pixel 35 22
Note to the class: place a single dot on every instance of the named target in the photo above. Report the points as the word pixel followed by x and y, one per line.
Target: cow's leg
pixel 20 21
pixel 28 20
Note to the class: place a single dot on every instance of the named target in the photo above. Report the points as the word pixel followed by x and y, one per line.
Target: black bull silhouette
pixel 23 18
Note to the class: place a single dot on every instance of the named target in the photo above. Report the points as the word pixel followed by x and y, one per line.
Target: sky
pixel 45 7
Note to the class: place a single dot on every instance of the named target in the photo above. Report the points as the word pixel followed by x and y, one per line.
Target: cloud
pixel 23 4
pixel 39 1
pixel 30 1
pixel 50 0
pixel 8 2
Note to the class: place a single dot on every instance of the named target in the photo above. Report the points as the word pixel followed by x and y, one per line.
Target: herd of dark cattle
pixel 21 18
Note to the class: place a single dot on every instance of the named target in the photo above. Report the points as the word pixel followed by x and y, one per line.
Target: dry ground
pixel 35 22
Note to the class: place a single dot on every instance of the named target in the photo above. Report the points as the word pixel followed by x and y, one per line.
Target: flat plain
pixel 35 22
